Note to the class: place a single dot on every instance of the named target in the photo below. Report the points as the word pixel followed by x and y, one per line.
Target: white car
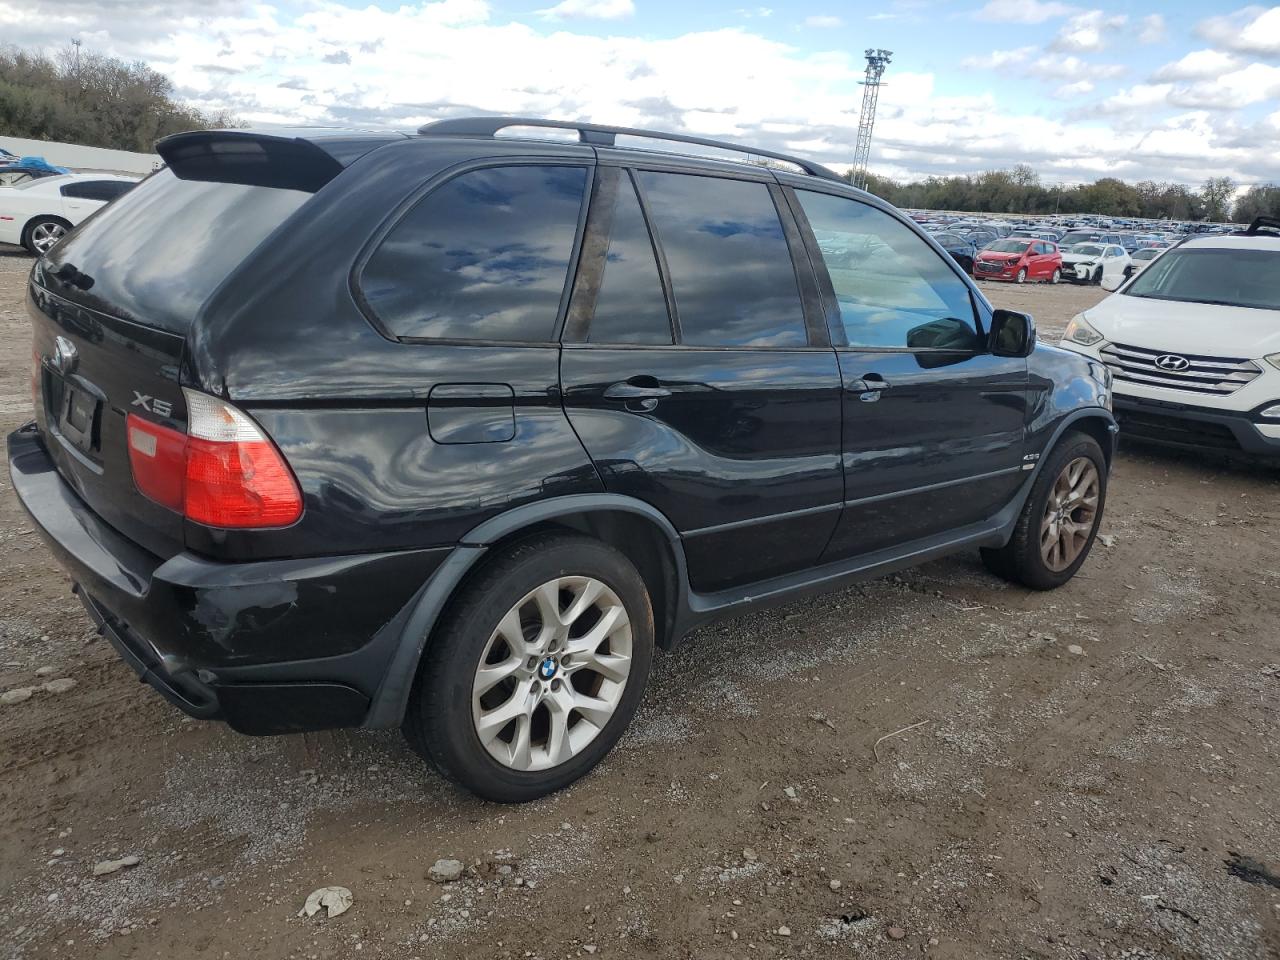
pixel 1141 258
pixel 38 213
pixel 1193 343
pixel 1095 262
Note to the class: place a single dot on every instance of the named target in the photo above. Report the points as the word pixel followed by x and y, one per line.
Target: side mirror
pixel 1113 282
pixel 1012 334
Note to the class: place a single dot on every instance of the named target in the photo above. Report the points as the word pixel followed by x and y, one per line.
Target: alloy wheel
pixel 1070 514
pixel 552 674
pixel 1057 276
pixel 45 235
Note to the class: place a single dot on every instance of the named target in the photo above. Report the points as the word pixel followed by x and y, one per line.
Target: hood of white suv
pixel 1197 328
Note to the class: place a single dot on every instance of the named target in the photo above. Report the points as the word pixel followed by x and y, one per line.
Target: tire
pixel 1057 275
pixel 1023 560
pixel 533 753
pixel 1097 276
pixel 42 233
pixel 1022 276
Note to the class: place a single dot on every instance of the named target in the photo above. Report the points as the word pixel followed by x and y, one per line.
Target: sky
pixel 1176 90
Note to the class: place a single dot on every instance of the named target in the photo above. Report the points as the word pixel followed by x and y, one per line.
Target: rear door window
pixel 485 257
pixel 730 266
pixel 893 290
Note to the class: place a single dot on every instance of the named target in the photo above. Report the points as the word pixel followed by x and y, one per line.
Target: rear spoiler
pixel 1265 226
pixel 257 158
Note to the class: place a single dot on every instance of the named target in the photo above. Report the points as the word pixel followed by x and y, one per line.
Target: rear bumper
pixel 270 646
pixel 1193 428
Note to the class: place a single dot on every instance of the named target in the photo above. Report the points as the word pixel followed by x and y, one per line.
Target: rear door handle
pixel 640 394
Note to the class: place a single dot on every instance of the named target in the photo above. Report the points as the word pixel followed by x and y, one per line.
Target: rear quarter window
pixel 485 256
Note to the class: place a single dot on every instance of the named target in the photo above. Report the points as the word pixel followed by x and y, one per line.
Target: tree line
pixel 94 100
pixel 1020 190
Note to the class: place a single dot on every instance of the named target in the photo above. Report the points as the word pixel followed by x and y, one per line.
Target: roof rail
pixel 602 135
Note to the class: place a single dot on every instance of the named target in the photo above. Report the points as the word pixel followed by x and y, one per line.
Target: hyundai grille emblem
pixel 1172 362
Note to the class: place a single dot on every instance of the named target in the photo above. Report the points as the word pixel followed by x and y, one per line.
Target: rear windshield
pixel 157 254
pixel 1230 278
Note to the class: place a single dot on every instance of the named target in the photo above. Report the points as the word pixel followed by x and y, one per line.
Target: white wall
pixel 94 159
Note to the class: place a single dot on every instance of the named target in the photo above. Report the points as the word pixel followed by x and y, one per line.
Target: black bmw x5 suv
pixel 451 431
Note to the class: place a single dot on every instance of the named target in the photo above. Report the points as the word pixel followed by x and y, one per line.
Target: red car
pixel 1019 259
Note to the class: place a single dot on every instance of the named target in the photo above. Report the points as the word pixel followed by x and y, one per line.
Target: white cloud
pixel 1073 91
pixel 412 63
pixel 1197 65
pixel 1088 32
pixel 1023 11
pixel 1054 67
pixel 1256 83
pixel 589 10
pixel 1140 97
pixel 999 59
pixel 1249 30
pixel 750 12
pixel 823 21
pixel 1153 29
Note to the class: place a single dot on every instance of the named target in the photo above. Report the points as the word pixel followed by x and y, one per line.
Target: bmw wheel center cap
pixel 547 669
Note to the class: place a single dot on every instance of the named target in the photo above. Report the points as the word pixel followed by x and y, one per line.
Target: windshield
pixel 1087 249
pixel 1008 246
pixel 1076 236
pixel 1231 278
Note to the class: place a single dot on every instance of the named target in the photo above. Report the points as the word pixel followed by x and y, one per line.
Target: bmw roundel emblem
pixel 547 669
pixel 1173 362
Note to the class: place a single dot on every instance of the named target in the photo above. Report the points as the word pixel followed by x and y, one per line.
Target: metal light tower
pixel 877 60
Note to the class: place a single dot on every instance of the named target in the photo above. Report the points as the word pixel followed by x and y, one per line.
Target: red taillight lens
pixel 224 472
pixel 158 457
pixel 239 484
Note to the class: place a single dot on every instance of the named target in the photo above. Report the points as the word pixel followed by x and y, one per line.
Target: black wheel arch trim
pixel 423 611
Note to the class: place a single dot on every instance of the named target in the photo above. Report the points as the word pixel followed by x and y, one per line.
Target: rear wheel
pixel 536 671
pixel 1059 521
pixel 1057 275
pixel 42 233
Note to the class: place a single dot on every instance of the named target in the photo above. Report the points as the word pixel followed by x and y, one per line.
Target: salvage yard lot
pixel 932 764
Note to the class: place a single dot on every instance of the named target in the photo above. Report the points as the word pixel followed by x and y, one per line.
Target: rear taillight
pixel 223 472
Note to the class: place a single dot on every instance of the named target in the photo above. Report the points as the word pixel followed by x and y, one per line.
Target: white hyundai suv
pixel 1193 343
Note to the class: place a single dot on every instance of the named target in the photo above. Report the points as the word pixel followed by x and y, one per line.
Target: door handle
pixel 639 394
pixel 872 383
pixel 869 387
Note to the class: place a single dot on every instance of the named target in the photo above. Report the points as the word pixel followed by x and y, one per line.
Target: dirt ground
pixel 933 764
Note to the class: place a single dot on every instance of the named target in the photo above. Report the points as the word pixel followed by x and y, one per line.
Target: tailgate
pixel 94 369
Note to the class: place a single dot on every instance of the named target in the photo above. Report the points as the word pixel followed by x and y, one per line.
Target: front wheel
pixel 1022 275
pixel 537 670
pixel 1059 521
pixel 1097 275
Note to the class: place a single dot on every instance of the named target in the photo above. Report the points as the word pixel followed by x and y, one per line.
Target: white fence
pixel 92 159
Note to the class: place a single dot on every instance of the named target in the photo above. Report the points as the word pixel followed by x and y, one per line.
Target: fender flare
pixel 1067 422
pixel 418 620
